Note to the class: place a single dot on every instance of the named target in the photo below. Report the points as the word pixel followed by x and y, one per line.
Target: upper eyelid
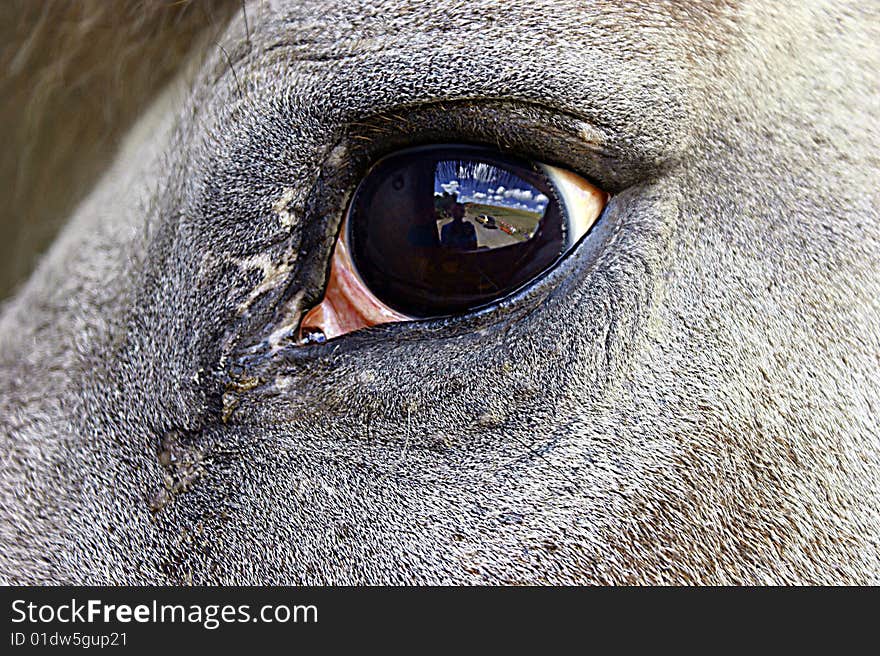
pixel 525 129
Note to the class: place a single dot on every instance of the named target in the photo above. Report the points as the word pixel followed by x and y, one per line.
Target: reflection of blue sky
pixel 479 182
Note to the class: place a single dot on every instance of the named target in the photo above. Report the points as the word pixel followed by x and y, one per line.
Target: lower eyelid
pixel 591 307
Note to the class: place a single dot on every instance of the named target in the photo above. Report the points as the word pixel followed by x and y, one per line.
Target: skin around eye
pixel 445 229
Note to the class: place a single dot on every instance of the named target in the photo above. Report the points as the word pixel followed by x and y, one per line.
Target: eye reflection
pixel 444 229
pixel 440 230
pixel 480 206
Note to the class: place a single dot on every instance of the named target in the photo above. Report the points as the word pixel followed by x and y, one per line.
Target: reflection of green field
pixel 523 220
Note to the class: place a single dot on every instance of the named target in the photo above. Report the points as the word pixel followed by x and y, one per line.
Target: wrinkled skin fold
pixel 690 397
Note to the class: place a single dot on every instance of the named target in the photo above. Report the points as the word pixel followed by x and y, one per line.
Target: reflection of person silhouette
pixel 458 233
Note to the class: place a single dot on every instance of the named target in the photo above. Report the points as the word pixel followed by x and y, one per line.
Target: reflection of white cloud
pixel 480 195
pixel 500 190
pixel 541 199
pixel 491 191
pixel 450 187
pixel 518 194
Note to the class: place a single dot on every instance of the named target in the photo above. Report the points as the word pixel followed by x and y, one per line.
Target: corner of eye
pixel 347 304
pixel 584 200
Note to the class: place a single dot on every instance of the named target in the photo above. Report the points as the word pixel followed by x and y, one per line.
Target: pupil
pixel 444 229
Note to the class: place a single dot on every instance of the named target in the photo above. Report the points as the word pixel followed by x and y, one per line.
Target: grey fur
pixel 691 397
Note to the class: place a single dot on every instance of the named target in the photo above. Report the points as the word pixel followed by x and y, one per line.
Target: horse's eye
pixel 441 230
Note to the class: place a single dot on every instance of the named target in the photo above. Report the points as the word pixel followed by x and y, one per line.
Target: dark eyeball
pixel 441 230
